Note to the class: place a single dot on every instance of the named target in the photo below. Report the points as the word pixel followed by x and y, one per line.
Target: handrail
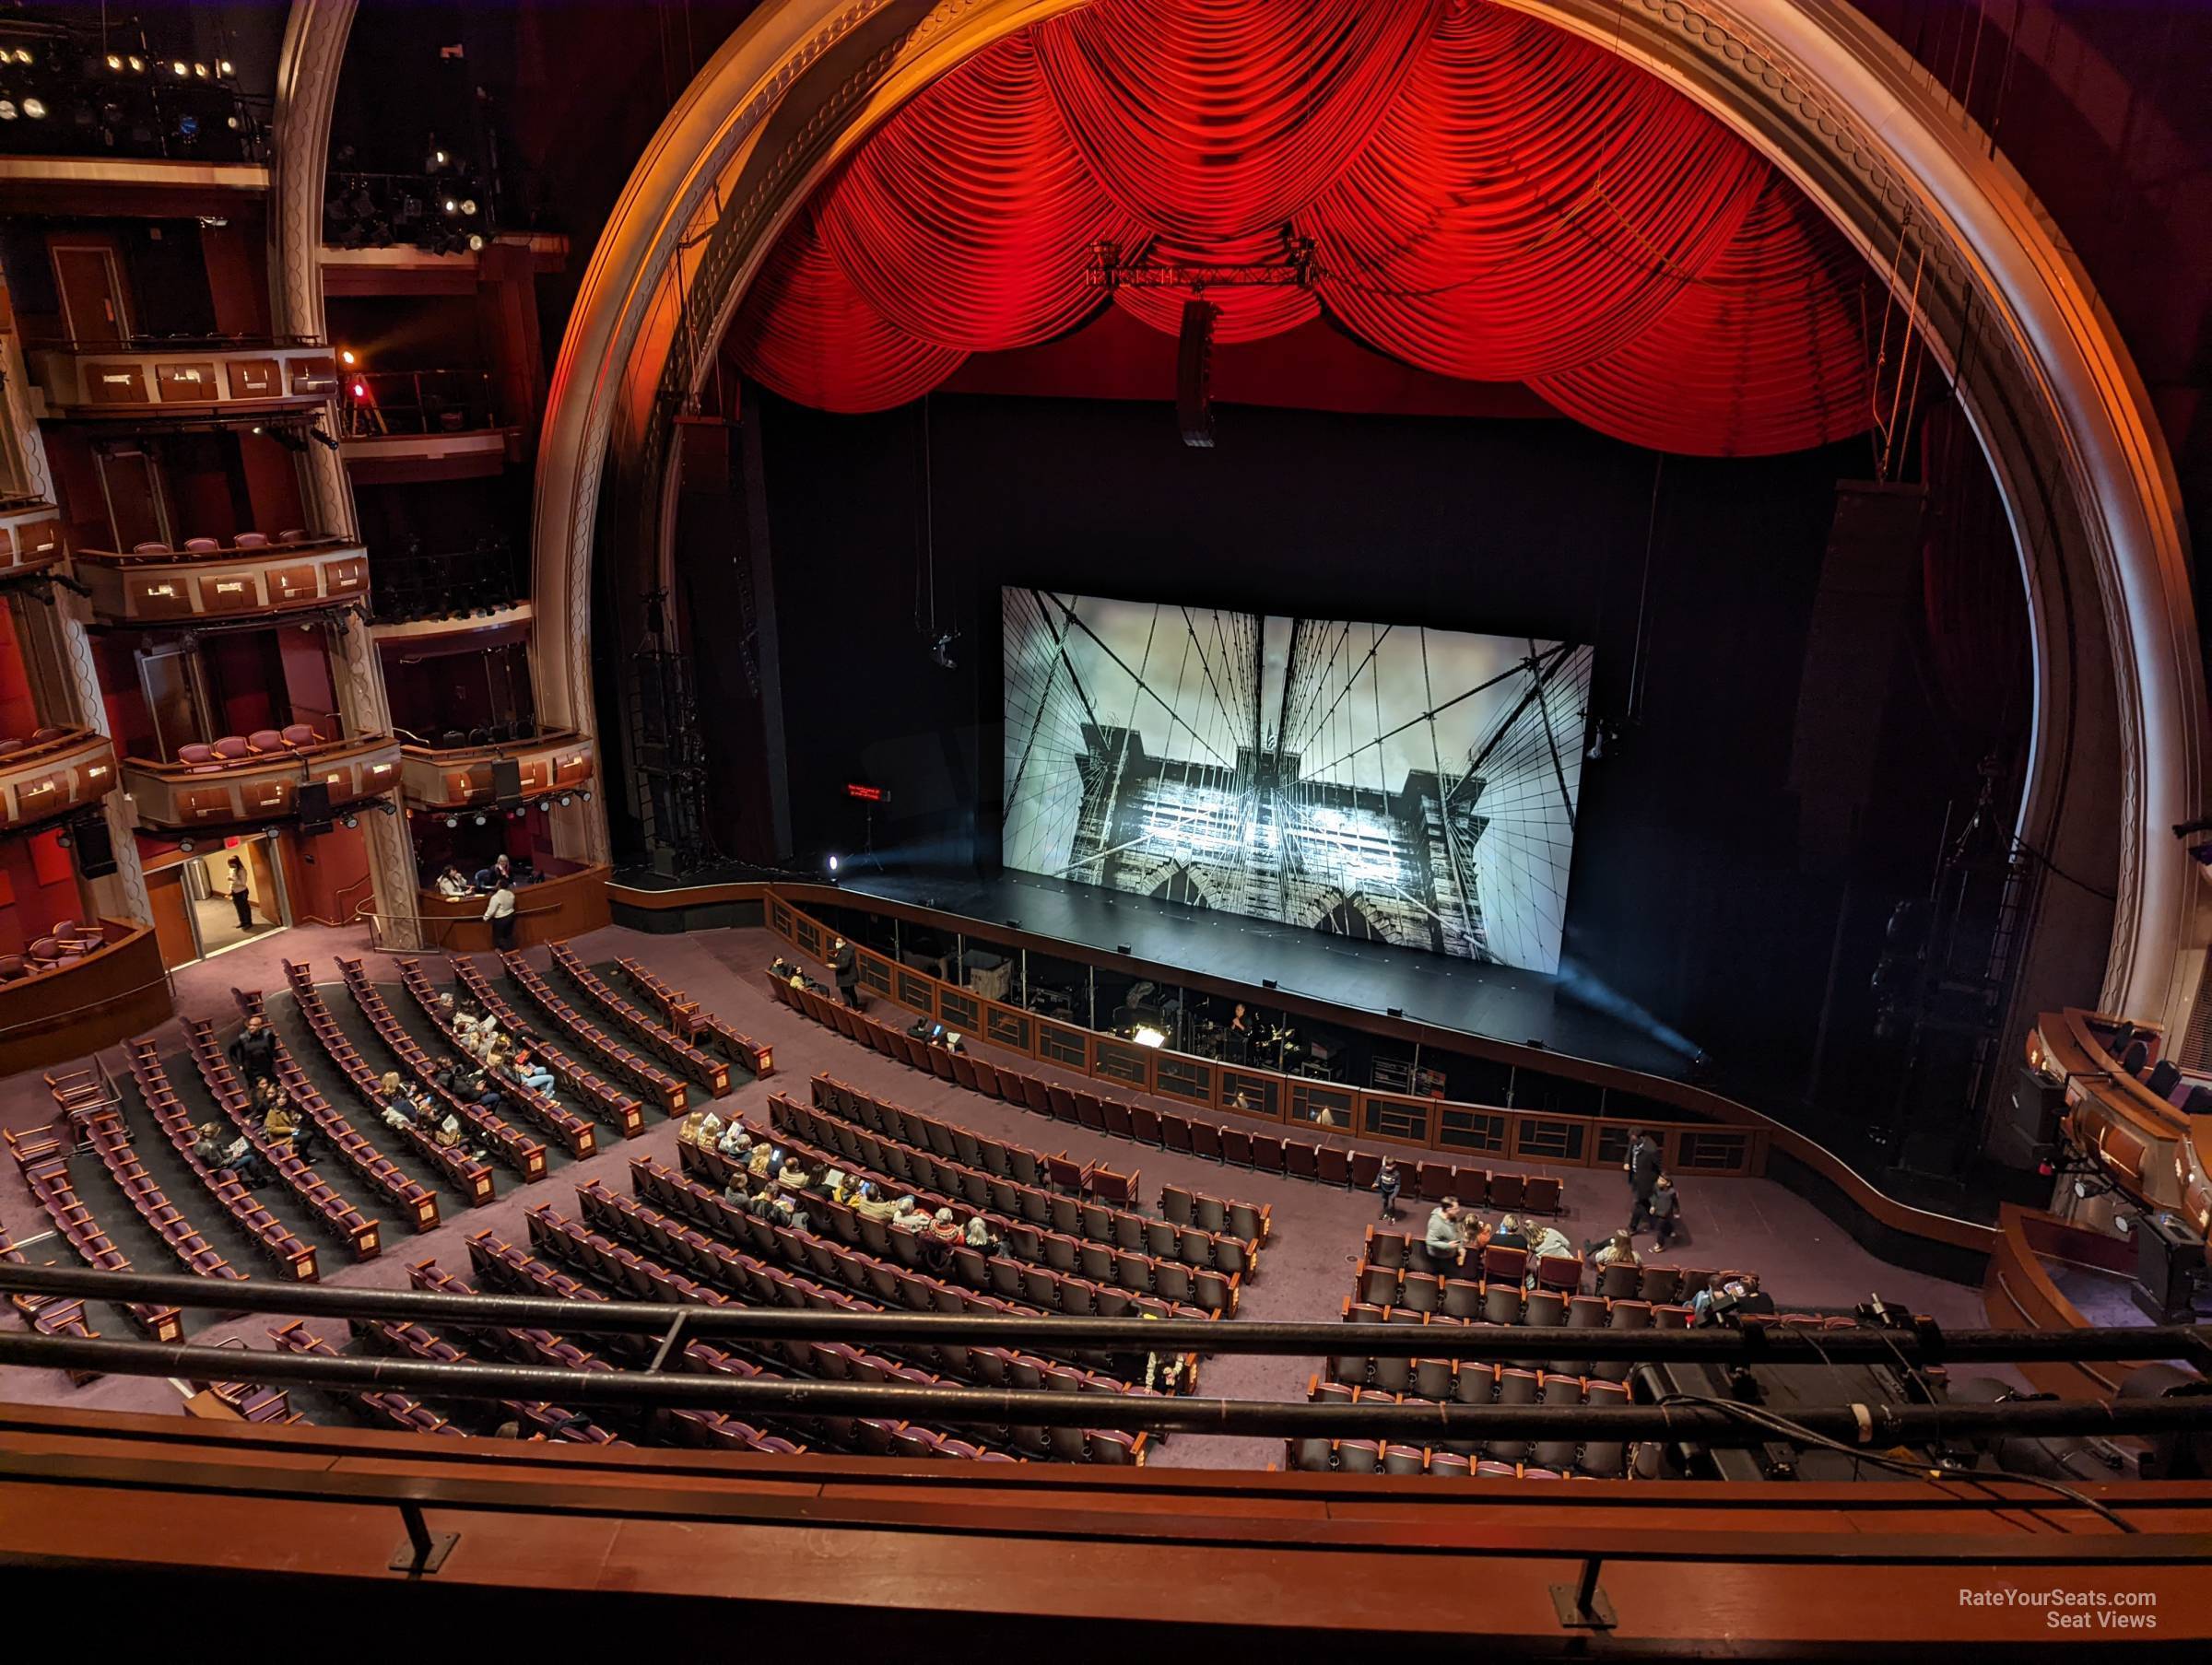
pixel 316 542
pixel 1758 1341
pixel 1877 1426
pixel 323 751
pixel 49 1019
pixel 174 343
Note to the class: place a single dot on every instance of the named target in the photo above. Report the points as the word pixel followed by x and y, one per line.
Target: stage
pixel 1497 1002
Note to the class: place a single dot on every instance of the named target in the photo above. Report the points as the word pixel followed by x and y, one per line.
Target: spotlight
pixel 200 70
pixel 184 845
pixel 468 204
pixel 223 68
pixel 587 795
pixel 353 820
pixel 390 808
pixel 545 806
pixel 63 839
pixel 833 863
pixel 347 359
pixel 182 69
pixel 452 820
pixel 138 63
pixel 359 389
pixel 476 243
pixel 35 109
pixel 1393 1012
pixel 188 126
pixel 22 54
pixel 8 110
pixel 1148 1037
pixel 567 799
pixel 114 60
pixel 322 438
pixel 479 820
pixel 438 160
pixel 451 206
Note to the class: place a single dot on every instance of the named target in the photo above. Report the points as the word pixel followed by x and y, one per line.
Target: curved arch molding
pixel 2009 314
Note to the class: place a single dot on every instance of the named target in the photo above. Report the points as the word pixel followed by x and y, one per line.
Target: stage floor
pixel 1495 1002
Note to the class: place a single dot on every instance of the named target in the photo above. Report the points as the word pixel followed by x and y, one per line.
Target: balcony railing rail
pixel 426 402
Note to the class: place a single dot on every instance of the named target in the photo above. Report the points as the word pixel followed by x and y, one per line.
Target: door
pixel 133 492
pixel 91 287
pixel 173 918
pixel 170 678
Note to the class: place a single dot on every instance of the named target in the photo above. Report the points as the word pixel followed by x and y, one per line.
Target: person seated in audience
pixel 1752 1299
pixel 1446 1240
pixel 244 1163
pixel 1508 1235
pixel 281 1122
pixel 1664 1209
pixel 444 1071
pixel 398 1106
pixel 980 1237
pixel 735 1143
pixel 1618 1248
pixel 792 1180
pixel 1547 1241
pixel 498 876
pixel 449 1136
pixel 207 1144
pixel 911 1216
pixel 937 1245
pixel 490 1100
pixel 1700 1299
pixel 833 1184
pixel 734 1193
pixel 452 883
pixel 757 1165
pixel 532 1074
pixel 871 1204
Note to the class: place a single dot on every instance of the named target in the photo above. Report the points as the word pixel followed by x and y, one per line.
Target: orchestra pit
pixel 1115 824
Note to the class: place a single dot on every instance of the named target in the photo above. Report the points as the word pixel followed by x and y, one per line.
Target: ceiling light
pixel 346 357
pixel 182 69
pixel 8 110
pixel 468 204
pixel 476 243
pixel 22 54
pixel 138 63
pixel 114 60
pixel 35 109
pixel 479 820
pixel 200 70
pixel 452 206
pixel 223 68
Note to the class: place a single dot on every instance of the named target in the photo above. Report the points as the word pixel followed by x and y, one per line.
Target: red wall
pixel 18 712
pixel 39 885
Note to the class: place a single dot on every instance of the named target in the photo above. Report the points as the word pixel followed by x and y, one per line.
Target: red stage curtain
pixel 808 332
pixel 1529 205
pixel 1762 354
pixel 1490 199
pixel 969 221
pixel 1223 118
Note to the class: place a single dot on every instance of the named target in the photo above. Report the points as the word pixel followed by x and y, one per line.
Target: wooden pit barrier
pixel 117 990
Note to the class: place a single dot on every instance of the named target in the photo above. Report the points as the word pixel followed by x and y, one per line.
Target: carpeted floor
pixel 1305 1273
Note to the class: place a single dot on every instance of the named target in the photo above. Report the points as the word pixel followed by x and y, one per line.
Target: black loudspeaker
pixel 2028 1126
pixel 95 847
pixel 312 803
pixel 2170 1268
pixel 507 781
pixel 1194 374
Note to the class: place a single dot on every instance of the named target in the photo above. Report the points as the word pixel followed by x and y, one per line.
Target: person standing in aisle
pixel 241 894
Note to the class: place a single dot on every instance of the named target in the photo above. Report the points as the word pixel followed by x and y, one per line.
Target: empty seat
pixel 252 540
pixel 232 747
pixel 201 545
pixel 265 740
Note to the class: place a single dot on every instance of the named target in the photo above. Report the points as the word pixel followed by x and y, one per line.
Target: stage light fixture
pixel 223 68
pixel 359 390
pixel 184 845
pixel 1394 1011
pixel 587 795
pixel 438 160
pixel 567 799
pixel 390 808
pixel 476 243
pixel 352 820
pixel 452 820
pixel 479 820
pixel 114 60
pixel 22 54
pixel 35 109
pixel 1122 948
pixel 182 69
pixel 200 70
pixel 833 863
pixel 1267 983
pixel 346 357
pixel 322 438
pixel 8 112
pixel 451 206
pixel 468 204
pixel 1149 1037
pixel 136 63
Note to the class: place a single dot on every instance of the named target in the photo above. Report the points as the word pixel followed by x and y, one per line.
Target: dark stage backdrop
pixel 1686 896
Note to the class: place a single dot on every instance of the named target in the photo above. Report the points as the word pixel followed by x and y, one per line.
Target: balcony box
pixel 54 776
pixel 459 777
pixel 176 587
pixel 100 381
pixel 30 536
pixel 262 788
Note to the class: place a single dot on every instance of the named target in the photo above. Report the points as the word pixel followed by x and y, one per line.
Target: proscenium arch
pixel 2117 755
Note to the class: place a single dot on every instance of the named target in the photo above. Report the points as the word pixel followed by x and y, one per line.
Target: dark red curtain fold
pixel 1490 198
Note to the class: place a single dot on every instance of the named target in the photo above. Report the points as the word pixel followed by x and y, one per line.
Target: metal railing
pixel 1874 1426
pixel 417 402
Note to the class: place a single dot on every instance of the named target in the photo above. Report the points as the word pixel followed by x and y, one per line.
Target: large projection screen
pixel 1386 782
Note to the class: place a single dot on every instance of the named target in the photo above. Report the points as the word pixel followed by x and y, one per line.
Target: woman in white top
pixel 499 912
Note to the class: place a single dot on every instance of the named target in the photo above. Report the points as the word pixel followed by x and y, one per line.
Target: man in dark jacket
pixel 846 964
pixel 1643 1167
pixel 253 1053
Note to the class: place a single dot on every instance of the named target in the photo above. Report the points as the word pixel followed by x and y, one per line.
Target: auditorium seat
pixel 299 733
pixel 251 540
pixel 265 740
pixel 201 545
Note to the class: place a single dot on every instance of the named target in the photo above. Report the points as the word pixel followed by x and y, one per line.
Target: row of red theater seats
pixel 247 1212
pixel 968 1179
pixel 518 1150
pixel 1656 1283
pixel 687 1018
pixel 618 1109
pixel 1172 1129
pixel 1373 1456
pixel 623 1269
pixel 13 744
pixel 416 1202
pixel 400 1340
pixel 471 1178
pixel 45 1169
pixel 1434 1381
pixel 710 1072
pixel 243 540
pixel 765 1283
pixel 364 1236
pixel 515 1270
pixel 577 1135
pixel 64 945
pixel 1026 1217
pixel 667 1092
pixel 204 758
pixel 47 1314
pixel 394 1409
pixel 1052 1258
